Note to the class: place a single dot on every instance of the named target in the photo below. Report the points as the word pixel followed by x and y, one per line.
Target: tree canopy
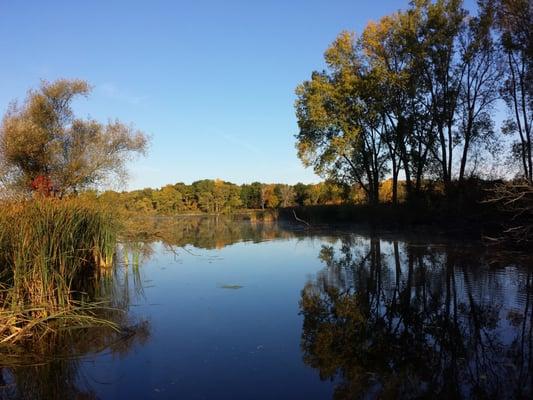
pixel 218 197
pixel 413 95
pixel 45 147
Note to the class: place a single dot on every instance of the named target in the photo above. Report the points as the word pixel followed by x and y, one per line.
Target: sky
pixel 212 82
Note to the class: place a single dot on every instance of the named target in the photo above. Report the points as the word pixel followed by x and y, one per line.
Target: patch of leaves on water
pixel 233 287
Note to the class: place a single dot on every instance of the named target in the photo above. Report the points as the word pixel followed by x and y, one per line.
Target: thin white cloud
pixel 239 142
pixel 111 91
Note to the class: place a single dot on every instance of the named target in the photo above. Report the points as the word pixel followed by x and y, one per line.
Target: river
pixel 227 309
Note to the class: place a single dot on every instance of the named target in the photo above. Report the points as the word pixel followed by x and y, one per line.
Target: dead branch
pixel 516 200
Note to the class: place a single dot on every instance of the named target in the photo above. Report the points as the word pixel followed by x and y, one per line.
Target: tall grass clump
pixel 51 253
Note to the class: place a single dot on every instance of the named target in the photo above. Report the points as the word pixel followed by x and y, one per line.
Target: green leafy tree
pixel 251 195
pixel 301 193
pixel 168 200
pixel 204 190
pixel 439 28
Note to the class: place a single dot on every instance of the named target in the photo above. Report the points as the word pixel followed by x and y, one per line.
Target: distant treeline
pixel 218 196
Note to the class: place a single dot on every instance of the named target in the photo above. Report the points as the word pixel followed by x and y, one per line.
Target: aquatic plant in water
pixel 51 253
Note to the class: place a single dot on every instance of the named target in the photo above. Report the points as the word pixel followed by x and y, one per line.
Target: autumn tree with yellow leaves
pixel 412 97
pixel 44 147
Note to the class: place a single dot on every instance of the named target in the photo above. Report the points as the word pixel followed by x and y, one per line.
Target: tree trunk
pixel 463 158
pixel 394 182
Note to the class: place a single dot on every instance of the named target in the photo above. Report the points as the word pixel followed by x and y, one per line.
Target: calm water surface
pixel 235 310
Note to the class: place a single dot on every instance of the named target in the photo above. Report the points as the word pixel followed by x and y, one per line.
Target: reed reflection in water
pixel 52 368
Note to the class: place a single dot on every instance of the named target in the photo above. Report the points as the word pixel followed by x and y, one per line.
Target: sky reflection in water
pixel 261 311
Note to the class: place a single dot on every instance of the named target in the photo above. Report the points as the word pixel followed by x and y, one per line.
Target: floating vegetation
pixel 233 287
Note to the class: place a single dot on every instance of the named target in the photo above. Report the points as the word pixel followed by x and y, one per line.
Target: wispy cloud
pixel 239 142
pixel 112 91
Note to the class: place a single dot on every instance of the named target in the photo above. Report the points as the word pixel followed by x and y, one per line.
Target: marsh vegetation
pixel 50 252
pixel 57 250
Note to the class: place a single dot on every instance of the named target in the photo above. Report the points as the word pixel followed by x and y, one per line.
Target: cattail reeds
pixel 51 253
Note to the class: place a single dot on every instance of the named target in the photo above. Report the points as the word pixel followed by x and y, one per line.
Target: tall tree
pixel 268 196
pixel 439 28
pixel 388 47
pixel 514 25
pixel 340 131
pixel 479 88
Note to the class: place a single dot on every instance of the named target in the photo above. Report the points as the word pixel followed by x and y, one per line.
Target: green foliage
pixel 251 195
pixel 219 197
pixel 216 196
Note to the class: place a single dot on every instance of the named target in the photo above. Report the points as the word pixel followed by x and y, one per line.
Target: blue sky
pixel 212 81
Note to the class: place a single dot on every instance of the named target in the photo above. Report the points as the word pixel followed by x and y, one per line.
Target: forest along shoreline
pixel 469 208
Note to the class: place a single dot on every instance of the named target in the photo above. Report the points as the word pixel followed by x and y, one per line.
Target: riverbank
pixel 475 219
pixel 479 221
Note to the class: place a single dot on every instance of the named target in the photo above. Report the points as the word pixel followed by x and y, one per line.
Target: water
pixel 225 309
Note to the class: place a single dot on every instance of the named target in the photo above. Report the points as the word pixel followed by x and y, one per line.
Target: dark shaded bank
pixel 476 220
pixel 498 212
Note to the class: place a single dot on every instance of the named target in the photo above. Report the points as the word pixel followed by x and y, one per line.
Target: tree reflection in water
pixel 399 320
pixel 204 232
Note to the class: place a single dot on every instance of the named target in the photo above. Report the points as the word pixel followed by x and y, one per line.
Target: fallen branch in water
pixel 300 220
